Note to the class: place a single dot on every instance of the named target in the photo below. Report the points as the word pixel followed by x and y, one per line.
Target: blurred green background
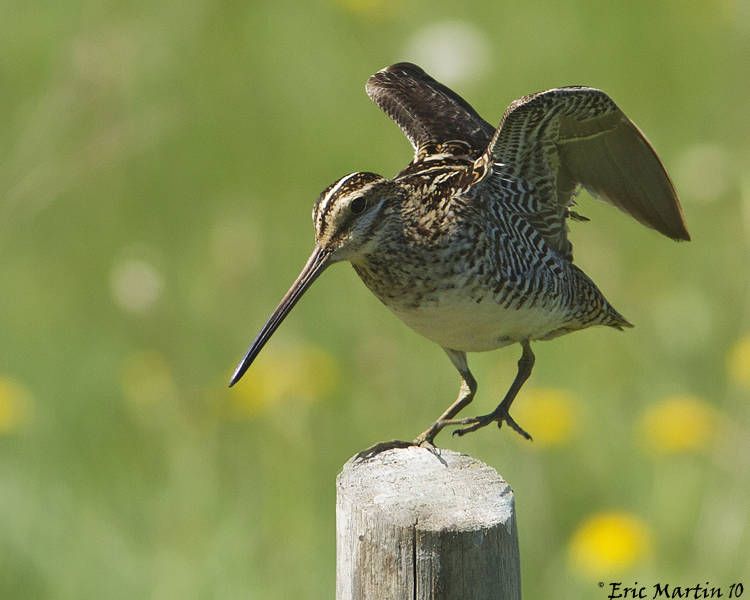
pixel 158 165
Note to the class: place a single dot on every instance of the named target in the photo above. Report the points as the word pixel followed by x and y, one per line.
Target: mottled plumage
pixel 468 245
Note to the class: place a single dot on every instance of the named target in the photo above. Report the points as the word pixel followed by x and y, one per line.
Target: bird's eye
pixel 358 205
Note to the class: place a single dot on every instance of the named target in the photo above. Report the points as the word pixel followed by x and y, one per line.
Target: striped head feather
pixel 350 214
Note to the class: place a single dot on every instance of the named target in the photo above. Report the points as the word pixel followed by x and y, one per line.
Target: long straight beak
pixel 316 264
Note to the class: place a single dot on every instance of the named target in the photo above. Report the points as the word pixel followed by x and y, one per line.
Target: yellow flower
pixel 145 377
pixel 609 543
pixel 738 362
pixel 551 416
pixel 308 374
pixel 679 424
pixel 15 404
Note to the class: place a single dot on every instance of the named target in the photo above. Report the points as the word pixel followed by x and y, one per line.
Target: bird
pixel 468 244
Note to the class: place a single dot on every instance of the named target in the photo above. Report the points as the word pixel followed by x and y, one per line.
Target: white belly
pixel 471 327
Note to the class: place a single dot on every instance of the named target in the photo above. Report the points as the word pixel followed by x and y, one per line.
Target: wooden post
pixel 416 524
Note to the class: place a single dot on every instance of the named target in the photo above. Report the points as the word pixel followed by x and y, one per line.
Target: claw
pixel 479 422
pixel 376 449
pixel 514 426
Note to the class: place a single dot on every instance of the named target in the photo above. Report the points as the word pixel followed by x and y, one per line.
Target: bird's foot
pixel 423 440
pixel 426 439
pixel 499 415
pixel 376 449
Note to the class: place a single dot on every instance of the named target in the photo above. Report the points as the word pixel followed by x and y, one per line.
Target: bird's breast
pixel 457 312
pixel 456 290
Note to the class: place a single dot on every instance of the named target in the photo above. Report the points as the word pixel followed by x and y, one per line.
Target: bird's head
pixel 351 216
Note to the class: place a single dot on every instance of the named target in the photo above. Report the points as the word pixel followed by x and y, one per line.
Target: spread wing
pixel 430 114
pixel 556 140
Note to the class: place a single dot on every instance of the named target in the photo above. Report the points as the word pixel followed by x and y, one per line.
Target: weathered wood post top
pixel 418 524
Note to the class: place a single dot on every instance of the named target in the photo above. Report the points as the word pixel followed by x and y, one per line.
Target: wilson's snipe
pixel 468 244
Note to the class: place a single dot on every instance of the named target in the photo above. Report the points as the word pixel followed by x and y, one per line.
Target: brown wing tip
pixel 681 230
pixel 676 228
pixel 404 68
pixel 400 70
pixel 684 236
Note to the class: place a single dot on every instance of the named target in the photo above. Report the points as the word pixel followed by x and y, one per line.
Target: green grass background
pixel 194 137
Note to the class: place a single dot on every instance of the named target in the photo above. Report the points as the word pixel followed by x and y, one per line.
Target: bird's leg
pixel 465 396
pixel 501 413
